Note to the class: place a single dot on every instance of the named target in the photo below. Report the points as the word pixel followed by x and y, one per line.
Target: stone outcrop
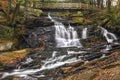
pixel 40 33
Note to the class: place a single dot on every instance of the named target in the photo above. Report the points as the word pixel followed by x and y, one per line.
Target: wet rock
pixel 93 56
pixel 36 63
pixel 76 64
pixel 40 33
pixel 40 36
pixel 10 66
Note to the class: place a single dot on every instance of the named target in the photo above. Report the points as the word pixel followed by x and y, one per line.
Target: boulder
pixel 6 45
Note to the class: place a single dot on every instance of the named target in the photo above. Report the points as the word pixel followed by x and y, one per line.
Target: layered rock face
pixel 40 33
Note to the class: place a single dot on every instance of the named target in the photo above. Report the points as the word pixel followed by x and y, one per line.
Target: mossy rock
pixel 78 20
pixel 33 12
pixel 87 21
pixel 65 14
pixel 12 57
pixel 78 14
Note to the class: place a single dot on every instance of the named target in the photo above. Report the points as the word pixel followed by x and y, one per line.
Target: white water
pixel 65 37
pixel 110 37
pixel 50 63
pixel 84 33
pixel 73 52
pixel 108 47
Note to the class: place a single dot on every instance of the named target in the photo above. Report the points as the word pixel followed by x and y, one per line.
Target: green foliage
pixel 21 1
pixel 78 14
pixel 114 18
pixel 6 32
pixel 78 20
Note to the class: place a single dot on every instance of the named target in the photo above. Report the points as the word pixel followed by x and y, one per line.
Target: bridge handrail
pixel 64 5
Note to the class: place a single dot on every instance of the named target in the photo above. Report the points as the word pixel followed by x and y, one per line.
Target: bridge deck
pixel 64 6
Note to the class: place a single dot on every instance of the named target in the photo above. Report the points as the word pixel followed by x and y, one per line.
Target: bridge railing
pixel 64 5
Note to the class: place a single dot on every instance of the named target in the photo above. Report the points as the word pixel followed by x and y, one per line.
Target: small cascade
pixel 110 37
pixel 84 33
pixel 50 63
pixel 54 54
pixel 65 37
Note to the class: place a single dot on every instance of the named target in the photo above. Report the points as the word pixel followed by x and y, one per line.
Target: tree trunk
pixel 12 22
pixel 9 3
pixel 109 6
pixel 101 4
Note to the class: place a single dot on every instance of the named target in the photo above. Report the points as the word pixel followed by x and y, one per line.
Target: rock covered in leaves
pixel 9 58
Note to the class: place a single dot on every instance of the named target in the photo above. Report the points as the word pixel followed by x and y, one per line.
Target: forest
pixel 59 39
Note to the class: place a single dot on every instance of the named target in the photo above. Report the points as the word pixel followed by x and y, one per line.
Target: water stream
pixel 84 33
pixel 65 37
pixel 110 37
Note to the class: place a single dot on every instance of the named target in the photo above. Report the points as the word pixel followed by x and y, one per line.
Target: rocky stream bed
pixel 99 49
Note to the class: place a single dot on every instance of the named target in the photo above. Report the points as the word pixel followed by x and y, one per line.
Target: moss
pixel 65 14
pixel 78 20
pixel 87 21
pixel 78 14
pixel 12 57
pixel 37 12
pixel 6 32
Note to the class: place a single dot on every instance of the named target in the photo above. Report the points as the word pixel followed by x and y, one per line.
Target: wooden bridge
pixel 64 6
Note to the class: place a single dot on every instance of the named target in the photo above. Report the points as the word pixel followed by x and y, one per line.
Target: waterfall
pixel 110 37
pixel 65 37
pixel 48 64
pixel 48 61
pixel 84 33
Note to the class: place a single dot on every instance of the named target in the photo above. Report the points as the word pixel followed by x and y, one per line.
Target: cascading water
pixel 84 33
pixel 51 63
pixel 65 37
pixel 110 37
